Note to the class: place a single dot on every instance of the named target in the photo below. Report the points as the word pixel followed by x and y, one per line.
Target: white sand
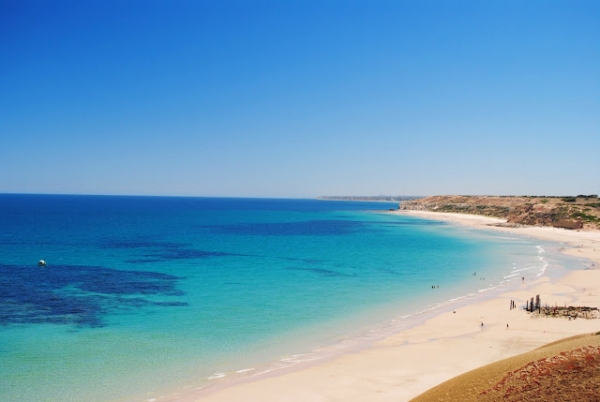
pixel 412 361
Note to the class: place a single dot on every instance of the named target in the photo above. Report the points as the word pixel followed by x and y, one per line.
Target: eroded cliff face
pixel 561 212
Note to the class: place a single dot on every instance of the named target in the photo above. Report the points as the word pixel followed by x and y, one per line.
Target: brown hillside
pixel 561 212
pixel 568 370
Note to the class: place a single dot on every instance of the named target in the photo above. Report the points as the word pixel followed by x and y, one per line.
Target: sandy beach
pixel 408 363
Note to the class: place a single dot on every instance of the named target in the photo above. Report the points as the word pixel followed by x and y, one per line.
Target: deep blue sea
pixel 142 296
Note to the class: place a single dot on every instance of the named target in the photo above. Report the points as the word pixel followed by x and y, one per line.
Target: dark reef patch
pixel 389 271
pixel 158 251
pixel 78 294
pixel 178 254
pixel 141 243
pixel 304 260
pixel 320 271
pixel 302 228
pixel 25 240
pixel 187 254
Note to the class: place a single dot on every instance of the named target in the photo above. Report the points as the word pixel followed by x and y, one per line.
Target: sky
pixel 298 99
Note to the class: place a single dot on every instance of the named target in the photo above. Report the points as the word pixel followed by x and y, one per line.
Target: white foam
pixel 216 375
pixel 541 252
pixel 488 289
pixel 523 269
pixel 309 358
pixel 264 372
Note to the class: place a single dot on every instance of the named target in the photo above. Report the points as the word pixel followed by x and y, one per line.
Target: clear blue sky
pixel 300 98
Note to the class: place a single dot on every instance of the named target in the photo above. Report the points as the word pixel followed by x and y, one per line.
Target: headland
pixel 568 212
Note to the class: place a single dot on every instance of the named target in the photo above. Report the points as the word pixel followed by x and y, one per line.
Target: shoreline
pixel 582 243
pixel 409 362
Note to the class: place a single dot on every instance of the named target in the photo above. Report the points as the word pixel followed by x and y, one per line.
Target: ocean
pixel 145 296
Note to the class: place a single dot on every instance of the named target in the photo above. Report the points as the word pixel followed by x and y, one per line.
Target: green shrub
pixel 585 217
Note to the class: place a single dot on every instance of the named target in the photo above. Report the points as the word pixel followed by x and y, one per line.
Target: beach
pixel 404 365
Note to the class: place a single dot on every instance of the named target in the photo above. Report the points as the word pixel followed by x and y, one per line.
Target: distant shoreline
pixel 379 198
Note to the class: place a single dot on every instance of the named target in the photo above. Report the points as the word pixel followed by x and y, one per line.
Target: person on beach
pixel 481 324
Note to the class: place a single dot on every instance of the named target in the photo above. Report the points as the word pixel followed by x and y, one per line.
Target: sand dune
pixel 560 371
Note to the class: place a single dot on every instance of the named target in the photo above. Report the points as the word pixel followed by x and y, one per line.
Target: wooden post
pixel 531 304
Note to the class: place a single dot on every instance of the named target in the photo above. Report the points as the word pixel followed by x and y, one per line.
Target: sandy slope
pixel 567 370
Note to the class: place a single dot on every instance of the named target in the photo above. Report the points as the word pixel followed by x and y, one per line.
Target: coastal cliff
pixel 560 212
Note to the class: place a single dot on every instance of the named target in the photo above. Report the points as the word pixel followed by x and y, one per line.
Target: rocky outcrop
pixel 560 212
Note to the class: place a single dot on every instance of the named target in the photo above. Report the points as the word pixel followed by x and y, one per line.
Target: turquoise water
pixel 147 295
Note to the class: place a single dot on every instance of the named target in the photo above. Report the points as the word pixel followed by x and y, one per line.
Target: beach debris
pixel 531 306
pixel 569 312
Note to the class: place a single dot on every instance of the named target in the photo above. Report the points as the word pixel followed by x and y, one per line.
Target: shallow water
pixel 147 294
